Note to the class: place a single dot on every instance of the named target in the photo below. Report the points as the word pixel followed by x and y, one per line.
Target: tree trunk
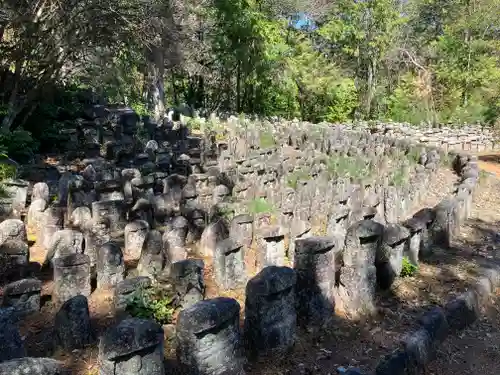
pixel 370 86
pixel 12 107
pixel 156 87
pixel 238 87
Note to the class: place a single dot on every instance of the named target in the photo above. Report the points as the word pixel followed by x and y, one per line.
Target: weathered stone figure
pixel 270 315
pixel 229 264
pixel 72 324
pixel 71 277
pixel 213 233
pixel 152 260
pixel 389 258
pixel 110 265
pixel 23 295
pixel 208 338
pixel 132 347
pixel 135 235
pixel 358 275
pixel 186 277
pixel 315 264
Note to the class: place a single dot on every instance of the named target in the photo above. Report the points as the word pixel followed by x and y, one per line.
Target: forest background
pixel 417 61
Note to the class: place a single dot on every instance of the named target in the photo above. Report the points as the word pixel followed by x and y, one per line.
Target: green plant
pixel 18 144
pixel 352 167
pixel 398 177
pixel 152 303
pixel 408 268
pixel 446 160
pixel 194 124
pixel 294 178
pixel 483 176
pixel 7 170
pixel 266 140
pixel 260 206
pixel 140 108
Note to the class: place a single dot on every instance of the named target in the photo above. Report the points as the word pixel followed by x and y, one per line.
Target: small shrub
pixel 7 170
pixel 483 176
pixel 352 167
pixel 398 177
pixel 446 160
pixel 260 206
pixel 151 303
pixel 266 140
pixel 408 269
pixel 19 145
pixel 194 124
pixel 295 177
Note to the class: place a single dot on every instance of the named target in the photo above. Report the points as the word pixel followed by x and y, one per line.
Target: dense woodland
pixel 432 61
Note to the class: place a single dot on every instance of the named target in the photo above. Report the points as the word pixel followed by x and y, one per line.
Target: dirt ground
pixel 477 349
pixel 346 343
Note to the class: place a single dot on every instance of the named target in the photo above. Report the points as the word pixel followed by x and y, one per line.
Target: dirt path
pixel 489 162
pixel 477 349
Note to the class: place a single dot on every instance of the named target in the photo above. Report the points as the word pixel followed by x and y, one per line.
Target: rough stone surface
pixel 33 366
pixel 72 324
pixel 110 265
pixel 71 277
pixel 152 260
pixel 208 338
pixel 315 264
pixel 126 288
pixel 186 277
pixel 229 264
pixel 23 295
pixel 132 347
pixel 135 236
pixel 270 316
pixel 11 343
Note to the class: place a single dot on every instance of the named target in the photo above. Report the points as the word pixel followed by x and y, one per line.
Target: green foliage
pixel 414 61
pixel 408 269
pixel 19 145
pixel 151 303
pixel 266 139
pixel 398 177
pixel 340 166
pixel 7 170
pixel 140 108
pixel 260 206
pixel 408 102
pixel 294 178
pixel 194 124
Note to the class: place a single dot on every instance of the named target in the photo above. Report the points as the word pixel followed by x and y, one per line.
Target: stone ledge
pixel 419 348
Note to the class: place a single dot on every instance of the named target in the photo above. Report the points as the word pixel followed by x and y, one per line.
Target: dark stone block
pixel 462 311
pixel 11 343
pixel 395 363
pixel 270 315
pixel 33 366
pixel 23 295
pixel 315 264
pixel 133 347
pixel 420 348
pixel 208 338
pixel 72 324
pixel 435 323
